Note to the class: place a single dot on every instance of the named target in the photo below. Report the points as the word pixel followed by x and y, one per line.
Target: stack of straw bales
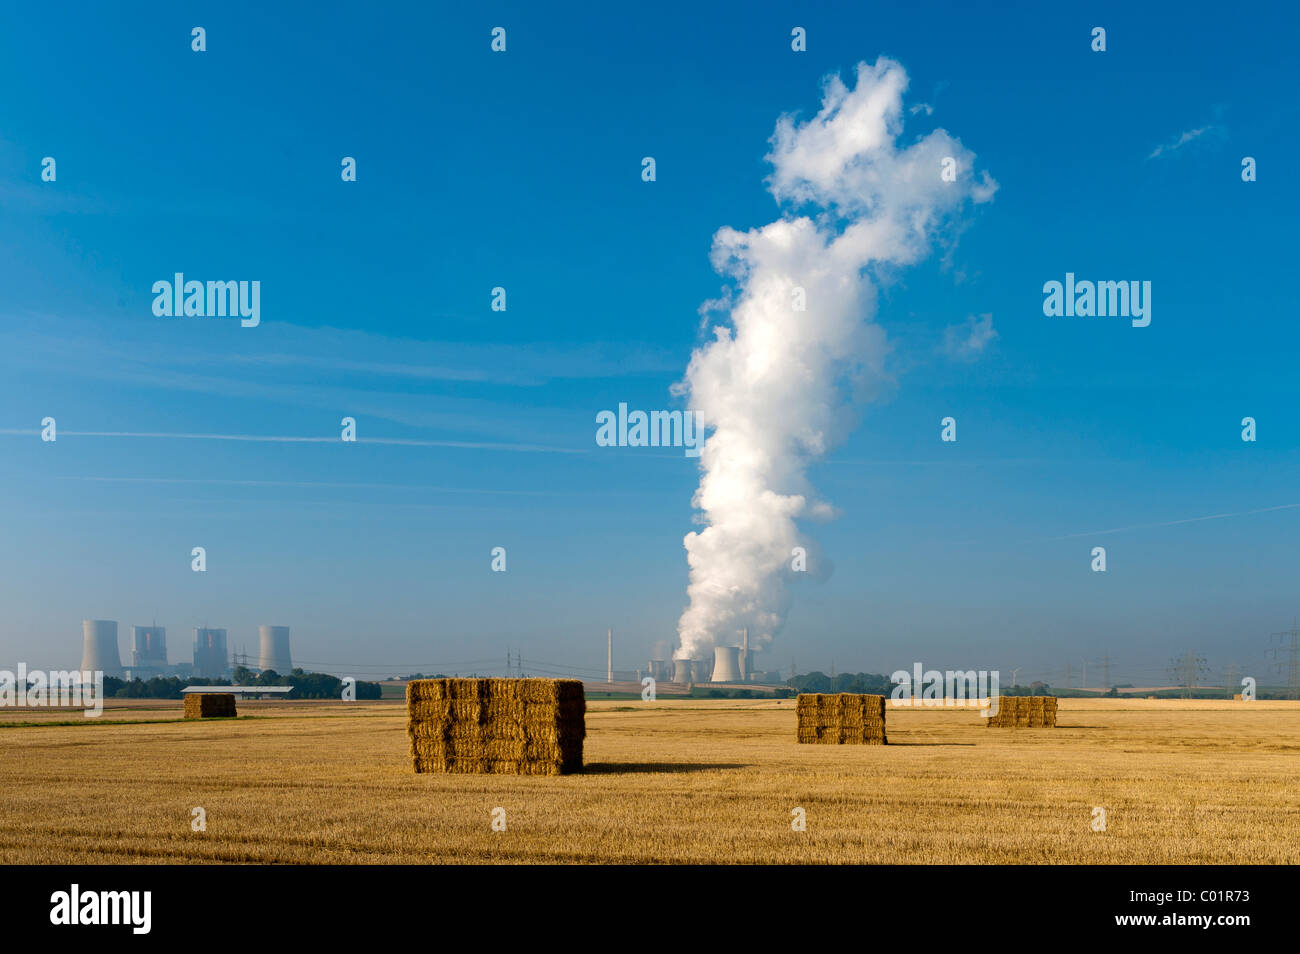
pixel 1025 712
pixel 496 726
pixel 208 705
pixel 841 719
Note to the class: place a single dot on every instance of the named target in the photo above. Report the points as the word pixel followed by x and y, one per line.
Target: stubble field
pixel 669 781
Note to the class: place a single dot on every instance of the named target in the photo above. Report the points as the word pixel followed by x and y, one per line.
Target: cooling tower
pixel 99 647
pixel 148 647
pixel 726 664
pixel 682 670
pixel 659 670
pixel 700 669
pixel 210 657
pixel 274 652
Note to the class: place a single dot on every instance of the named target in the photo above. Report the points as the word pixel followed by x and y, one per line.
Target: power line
pixel 1187 671
pixel 1293 659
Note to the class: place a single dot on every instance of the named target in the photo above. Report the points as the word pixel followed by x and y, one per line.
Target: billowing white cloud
pixel 776 384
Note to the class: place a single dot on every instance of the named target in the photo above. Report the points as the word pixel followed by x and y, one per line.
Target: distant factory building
pixel 148 650
pixel 210 656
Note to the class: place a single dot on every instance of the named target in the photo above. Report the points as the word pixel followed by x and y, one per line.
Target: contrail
pixel 286 439
pixel 343 485
pixel 776 384
pixel 1172 523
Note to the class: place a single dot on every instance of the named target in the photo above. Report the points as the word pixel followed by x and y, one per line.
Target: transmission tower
pixel 1187 671
pixel 1105 672
pixel 1293 659
pixel 1233 679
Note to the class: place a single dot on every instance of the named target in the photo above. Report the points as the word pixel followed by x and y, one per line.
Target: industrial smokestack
pixel 610 667
pixel 726 664
pixel 99 647
pixel 274 649
pixel 682 671
pixel 210 657
pixel 148 648
pixel 744 656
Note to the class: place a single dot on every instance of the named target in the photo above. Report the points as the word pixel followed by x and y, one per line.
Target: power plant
pixel 148 650
pixel 99 651
pixel 148 658
pixel 210 656
pixel 273 649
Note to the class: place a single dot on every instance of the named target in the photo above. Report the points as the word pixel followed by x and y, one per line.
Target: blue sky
pixel 522 170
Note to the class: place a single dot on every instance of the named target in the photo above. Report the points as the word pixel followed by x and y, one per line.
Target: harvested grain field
pixel 668 781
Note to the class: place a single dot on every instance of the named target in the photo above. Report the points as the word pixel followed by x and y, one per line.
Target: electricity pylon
pixel 1293 659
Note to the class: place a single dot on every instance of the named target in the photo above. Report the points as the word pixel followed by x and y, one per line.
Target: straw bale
pixel 209 705
pixel 840 719
pixel 497 726
pixel 1031 712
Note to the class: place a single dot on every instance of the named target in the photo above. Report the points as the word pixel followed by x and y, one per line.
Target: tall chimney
pixel 744 657
pixel 611 657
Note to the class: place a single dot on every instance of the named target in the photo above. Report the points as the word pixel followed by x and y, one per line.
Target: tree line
pixel 306 685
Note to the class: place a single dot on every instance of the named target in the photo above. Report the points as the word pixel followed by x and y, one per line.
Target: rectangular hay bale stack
pixel 496 726
pixel 209 705
pixel 845 718
pixel 1024 712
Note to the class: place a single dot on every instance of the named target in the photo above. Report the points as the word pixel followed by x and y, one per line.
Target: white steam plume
pixel 776 384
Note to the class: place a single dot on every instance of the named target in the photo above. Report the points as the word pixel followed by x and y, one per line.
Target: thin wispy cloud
pixel 467 393
pixel 1189 136
pixel 968 340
